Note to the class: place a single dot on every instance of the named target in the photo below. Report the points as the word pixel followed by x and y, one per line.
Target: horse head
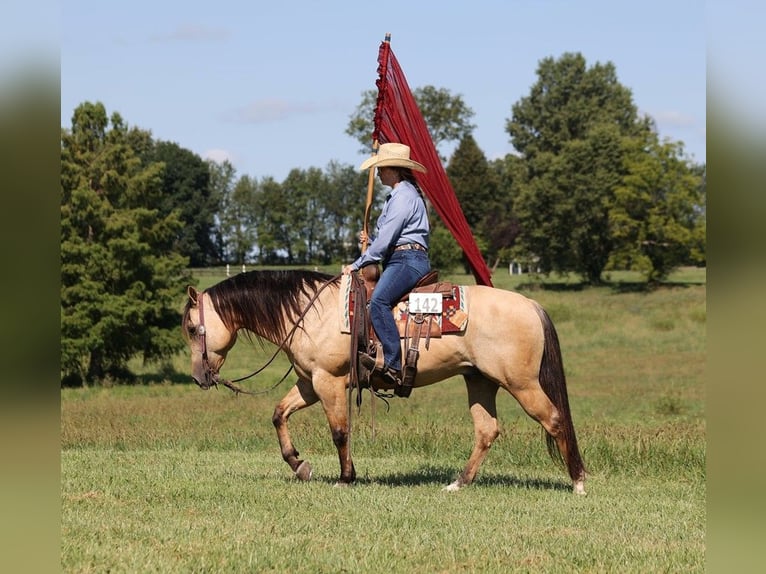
pixel 208 337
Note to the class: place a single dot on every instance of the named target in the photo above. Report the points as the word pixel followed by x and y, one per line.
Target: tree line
pixel 591 187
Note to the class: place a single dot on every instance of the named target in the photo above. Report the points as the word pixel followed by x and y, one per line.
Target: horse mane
pixel 263 302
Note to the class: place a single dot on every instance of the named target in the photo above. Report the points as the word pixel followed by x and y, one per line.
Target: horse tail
pixel 554 384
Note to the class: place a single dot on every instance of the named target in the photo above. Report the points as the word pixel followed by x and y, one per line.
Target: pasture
pixel 162 476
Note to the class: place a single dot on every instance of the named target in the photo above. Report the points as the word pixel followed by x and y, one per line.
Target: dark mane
pixel 263 302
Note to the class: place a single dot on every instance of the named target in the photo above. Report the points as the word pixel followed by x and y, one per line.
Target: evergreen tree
pixel 121 279
pixel 186 187
pixel 474 185
pixel 475 188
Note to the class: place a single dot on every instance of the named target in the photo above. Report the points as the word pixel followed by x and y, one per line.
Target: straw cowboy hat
pixel 392 154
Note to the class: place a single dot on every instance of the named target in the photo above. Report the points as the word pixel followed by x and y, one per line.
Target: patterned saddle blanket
pixel 453 317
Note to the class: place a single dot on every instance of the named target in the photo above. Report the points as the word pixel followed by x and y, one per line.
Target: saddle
pixel 438 307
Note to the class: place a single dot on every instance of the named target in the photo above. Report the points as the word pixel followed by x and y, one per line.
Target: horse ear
pixel 193 294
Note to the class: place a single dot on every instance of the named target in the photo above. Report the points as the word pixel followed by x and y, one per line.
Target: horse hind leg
pixel 297 398
pixel 560 437
pixel 553 384
pixel 482 395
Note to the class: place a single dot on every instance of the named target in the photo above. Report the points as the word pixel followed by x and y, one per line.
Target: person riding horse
pixel 400 244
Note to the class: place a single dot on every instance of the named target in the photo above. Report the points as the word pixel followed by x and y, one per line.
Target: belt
pixel 408 246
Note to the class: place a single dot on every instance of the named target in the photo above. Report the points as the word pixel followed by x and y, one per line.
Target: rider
pixel 400 244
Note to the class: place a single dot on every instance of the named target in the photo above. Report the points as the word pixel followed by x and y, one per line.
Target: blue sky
pixel 271 85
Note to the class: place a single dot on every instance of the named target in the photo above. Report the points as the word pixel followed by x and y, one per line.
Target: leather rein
pixel 213 378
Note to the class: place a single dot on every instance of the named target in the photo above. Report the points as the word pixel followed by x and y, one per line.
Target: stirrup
pixel 375 366
pixel 405 386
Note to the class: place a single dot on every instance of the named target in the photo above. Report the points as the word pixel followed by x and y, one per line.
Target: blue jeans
pixel 400 273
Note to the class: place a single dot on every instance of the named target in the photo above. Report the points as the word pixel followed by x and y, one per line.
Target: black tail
pixel 554 383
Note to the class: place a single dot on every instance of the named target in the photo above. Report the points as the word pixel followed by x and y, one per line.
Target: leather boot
pixel 389 375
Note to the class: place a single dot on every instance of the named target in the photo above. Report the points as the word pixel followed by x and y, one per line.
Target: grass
pixel 164 477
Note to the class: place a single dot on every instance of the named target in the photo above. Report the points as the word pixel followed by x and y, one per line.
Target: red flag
pixel 398 119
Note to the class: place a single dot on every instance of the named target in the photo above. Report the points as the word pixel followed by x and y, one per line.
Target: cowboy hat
pixel 392 154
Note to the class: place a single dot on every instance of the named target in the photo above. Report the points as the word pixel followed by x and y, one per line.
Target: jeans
pixel 400 274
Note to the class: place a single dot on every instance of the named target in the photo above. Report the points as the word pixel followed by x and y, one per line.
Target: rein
pixel 212 378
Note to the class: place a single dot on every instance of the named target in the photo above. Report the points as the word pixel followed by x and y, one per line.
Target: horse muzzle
pixel 210 380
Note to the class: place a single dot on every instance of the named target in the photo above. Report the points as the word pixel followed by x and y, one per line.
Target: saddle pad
pixel 453 319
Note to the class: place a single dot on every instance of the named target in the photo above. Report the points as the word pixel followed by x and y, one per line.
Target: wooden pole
pixel 368 203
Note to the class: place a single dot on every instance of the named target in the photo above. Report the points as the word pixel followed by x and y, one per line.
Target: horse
pixel 509 342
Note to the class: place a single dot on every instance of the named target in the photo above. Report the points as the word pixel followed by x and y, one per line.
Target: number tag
pixel 425 302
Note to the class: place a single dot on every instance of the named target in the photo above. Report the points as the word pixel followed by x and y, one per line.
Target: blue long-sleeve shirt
pixel 403 220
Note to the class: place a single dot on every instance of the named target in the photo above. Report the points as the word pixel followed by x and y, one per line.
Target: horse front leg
pixel 300 396
pixel 332 393
pixel 482 396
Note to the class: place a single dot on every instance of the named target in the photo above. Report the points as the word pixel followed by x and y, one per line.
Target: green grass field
pixel 164 477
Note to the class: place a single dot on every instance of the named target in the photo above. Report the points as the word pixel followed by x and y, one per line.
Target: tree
pixel 343 211
pixel 658 214
pixel 238 219
pixel 308 190
pixel 272 221
pixel 186 188
pixel 447 116
pixel 444 251
pixel 475 187
pixel 501 226
pixel 223 178
pixel 570 132
pixel 120 276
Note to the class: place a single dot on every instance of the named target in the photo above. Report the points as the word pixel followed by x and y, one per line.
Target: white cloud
pixel 218 155
pixel 192 33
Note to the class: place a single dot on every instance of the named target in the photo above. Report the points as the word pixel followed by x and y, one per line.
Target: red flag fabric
pixel 398 119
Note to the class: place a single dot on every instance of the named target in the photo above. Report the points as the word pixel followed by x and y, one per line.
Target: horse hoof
pixel 579 488
pixel 454 487
pixel 341 484
pixel 304 471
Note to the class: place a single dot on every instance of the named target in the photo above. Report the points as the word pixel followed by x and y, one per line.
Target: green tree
pixel 238 218
pixel 223 178
pixel 570 132
pixel 474 184
pixel 343 208
pixel 186 188
pixel 475 188
pixel 447 116
pixel 657 217
pixel 501 226
pixel 444 252
pixel 272 221
pixel 120 276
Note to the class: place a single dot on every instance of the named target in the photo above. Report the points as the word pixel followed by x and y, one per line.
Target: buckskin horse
pixel 509 341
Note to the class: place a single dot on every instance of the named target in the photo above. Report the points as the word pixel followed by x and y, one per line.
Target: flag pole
pixel 371 175
pixel 368 203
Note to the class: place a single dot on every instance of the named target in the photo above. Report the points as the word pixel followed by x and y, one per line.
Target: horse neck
pixel 269 316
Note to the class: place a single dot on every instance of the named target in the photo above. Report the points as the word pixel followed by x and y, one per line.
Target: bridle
pixel 211 378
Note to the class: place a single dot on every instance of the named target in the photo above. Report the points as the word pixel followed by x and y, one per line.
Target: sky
pixel 271 86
